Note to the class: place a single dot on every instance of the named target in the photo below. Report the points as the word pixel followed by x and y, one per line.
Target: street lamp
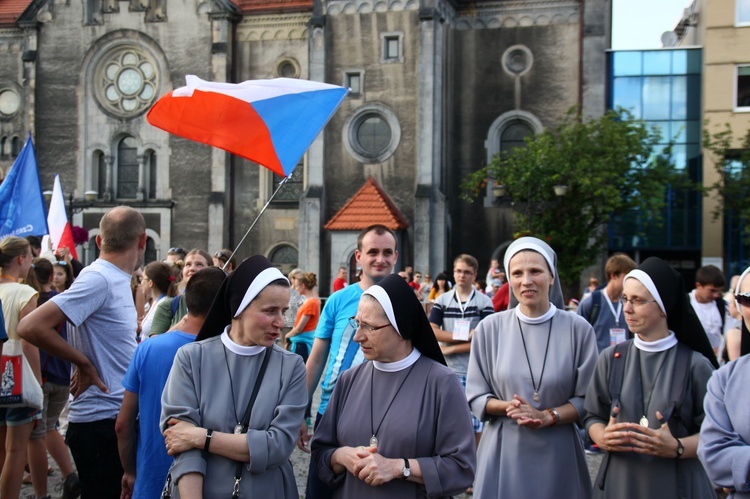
pixel 75 205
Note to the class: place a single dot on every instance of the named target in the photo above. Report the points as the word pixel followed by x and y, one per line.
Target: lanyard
pixel 461 306
pixel 612 307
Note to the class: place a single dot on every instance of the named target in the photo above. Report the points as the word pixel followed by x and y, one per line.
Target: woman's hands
pixel 366 464
pixel 525 415
pixel 182 436
pixel 632 437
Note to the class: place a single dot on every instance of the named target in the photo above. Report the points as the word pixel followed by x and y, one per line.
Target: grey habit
pixel 627 474
pixel 428 421
pixel 513 461
pixel 198 391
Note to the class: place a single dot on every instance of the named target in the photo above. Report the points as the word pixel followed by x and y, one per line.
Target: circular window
pixel 128 81
pixel 10 102
pixel 373 133
pixel 288 69
pixel 517 60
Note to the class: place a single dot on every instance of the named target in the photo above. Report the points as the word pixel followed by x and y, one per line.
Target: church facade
pixel 438 87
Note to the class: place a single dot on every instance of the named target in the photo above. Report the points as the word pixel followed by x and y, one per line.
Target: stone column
pixel 429 208
pixel 311 202
pixel 222 45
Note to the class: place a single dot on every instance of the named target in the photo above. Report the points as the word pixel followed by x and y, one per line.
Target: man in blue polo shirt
pixel 334 345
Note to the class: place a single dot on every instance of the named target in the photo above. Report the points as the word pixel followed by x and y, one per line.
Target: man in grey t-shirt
pixel 99 306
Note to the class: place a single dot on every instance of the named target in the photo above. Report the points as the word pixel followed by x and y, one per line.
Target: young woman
pixel 157 284
pixel 439 287
pixel 18 300
pixel 62 276
pixel 301 336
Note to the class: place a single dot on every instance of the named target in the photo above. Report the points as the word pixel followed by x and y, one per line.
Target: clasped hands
pixel 632 437
pixel 366 464
pixel 526 415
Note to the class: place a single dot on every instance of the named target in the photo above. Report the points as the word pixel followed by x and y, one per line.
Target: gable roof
pixel 11 10
pixel 369 205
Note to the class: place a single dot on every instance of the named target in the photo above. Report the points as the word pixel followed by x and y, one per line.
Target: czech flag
pixel 270 122
pixel 60 230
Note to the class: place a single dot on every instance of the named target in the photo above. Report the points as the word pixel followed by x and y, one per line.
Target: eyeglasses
pixel 463 272
pixel 636 302
pixel 61 262
pixel 743 299
pixel 221 256
pixel 366 328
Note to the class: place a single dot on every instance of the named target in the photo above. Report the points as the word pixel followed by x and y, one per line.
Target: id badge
pixel 616 335
pixel 461 330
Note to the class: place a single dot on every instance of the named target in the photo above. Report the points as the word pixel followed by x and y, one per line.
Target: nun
pixel 397 425
pixel 645 402
pixel 528 373
pixel 724 443
pixel 234 401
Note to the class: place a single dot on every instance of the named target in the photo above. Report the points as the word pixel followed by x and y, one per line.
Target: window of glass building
pixel 743 13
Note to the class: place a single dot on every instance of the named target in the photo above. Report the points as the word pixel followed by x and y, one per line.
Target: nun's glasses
pixel 636 302
pixel 366 328
pixel 743 299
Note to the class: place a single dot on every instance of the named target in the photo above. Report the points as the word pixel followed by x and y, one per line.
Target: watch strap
pixel 406 472
pixel 209 434
pixel 680 449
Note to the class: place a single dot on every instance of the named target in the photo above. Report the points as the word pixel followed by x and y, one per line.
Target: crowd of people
pixel 194 376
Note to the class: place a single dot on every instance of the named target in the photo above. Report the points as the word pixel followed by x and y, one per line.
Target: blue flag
pixel 22 211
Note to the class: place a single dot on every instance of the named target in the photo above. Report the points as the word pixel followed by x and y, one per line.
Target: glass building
pixel 663 88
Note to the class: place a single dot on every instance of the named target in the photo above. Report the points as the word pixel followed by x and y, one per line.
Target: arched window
pixel 285 258
pixel 150 254
pixel 15 146
pixel 3 146
pixel 513 135
pixel 127 168
pixel 151 174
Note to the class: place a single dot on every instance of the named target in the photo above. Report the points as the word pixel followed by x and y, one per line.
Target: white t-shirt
pixel 102 311
pixel 708 314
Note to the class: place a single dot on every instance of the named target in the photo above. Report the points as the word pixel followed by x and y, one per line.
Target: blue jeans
pixel 316 488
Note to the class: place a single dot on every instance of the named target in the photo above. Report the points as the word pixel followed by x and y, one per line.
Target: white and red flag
pixel 60 230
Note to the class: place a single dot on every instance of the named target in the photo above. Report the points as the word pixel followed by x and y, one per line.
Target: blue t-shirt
pixel 146 377
pixel 100 307
pixel 334 326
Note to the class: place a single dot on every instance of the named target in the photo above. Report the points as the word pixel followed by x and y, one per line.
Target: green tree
pixel 609 165
pixel 732 163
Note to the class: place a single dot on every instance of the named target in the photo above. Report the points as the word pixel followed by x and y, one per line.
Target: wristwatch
pixel 406 472
pixel 680 449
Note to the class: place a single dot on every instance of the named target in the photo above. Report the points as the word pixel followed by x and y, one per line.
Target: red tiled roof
pixel 10 10
pixel 271 6
pixel 370 205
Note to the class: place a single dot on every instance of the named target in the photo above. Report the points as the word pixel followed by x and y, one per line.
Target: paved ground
pixel 300 461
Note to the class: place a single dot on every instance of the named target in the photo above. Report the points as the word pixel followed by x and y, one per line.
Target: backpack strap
pixel 679 379
pixel 617 370
pixel 721 304
pixel 174 305
pixel 596 305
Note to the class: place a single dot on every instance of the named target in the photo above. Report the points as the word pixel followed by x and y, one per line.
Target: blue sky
pixel 639 24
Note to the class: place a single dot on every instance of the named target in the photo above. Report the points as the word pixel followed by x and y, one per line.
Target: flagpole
pixel 283 181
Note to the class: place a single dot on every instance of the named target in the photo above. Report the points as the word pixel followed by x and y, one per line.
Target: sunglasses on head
pixel 743 299
pixel 176 250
